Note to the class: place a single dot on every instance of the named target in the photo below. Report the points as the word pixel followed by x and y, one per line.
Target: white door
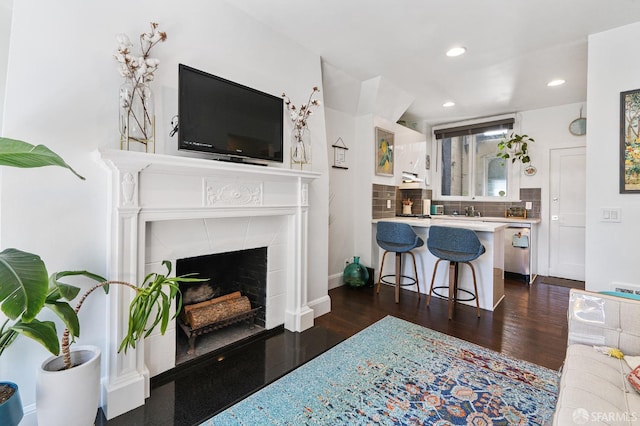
pixel 567 213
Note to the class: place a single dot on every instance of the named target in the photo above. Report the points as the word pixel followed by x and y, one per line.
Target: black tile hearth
pixel 197 390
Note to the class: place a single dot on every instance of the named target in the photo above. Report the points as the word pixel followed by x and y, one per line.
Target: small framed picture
pixel 384 152
pixel 339 154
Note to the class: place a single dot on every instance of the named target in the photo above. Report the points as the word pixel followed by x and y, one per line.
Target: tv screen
pixel 221 117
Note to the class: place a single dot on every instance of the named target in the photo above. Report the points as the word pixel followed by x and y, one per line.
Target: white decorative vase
pixel 69 397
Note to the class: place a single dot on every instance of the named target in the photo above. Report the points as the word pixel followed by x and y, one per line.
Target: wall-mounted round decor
pixel 578 127
pixel 530 170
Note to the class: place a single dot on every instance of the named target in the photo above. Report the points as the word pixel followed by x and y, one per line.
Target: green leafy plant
pixel 16 153
pixel 156 295
pixel 26 288
pixel 515 147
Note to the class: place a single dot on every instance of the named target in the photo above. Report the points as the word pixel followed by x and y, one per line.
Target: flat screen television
pixel 221 117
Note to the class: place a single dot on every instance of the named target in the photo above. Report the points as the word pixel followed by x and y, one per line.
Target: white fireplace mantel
pixel 152 187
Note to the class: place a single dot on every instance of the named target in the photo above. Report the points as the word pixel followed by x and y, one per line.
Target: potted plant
pixel 26 289
pixel 24 284
pixel 78 371
pixel 515 147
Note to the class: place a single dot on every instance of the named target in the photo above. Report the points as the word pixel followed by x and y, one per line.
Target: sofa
pixel 594 387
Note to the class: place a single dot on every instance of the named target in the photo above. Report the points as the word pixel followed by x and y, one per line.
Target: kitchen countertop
pixel 476 225
pixel 486 219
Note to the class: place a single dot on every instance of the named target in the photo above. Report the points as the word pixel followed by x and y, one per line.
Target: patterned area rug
pixel 396 372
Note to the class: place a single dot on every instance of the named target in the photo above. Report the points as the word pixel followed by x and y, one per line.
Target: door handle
pixel 555 217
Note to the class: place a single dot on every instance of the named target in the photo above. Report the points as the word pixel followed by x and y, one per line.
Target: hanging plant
pixel 515 147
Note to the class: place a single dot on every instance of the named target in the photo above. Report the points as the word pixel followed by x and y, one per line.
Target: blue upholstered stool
pixel 400 239
pixel 457 245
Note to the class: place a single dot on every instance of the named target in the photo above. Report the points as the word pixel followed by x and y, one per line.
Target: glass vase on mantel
pixel 300 147
pixel 137 117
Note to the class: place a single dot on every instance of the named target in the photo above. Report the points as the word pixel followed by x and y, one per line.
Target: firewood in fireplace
pixel 188 308
pixel 234 295
pixel 209 314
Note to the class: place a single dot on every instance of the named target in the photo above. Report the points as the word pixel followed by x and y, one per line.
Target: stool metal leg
pixel 415 272
pixel 398 275
pixel 433 278
pixel 381 268
pixel 475 288
pixel 453 284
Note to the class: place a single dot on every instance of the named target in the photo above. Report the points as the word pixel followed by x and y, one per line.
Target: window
pixel 470 167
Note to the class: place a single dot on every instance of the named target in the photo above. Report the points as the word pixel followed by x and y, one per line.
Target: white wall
pixel 550 129
pixel 62 91
pixel 612 249
pixel 5 33
pixel 341 191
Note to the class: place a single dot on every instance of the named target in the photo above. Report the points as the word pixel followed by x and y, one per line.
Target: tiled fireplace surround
pixel 167 208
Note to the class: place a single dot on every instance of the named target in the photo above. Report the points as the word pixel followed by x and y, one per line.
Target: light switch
pixel 528 205
pixel 611 214
pixel 388 204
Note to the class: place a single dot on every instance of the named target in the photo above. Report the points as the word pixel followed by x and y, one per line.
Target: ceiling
pixel 514 47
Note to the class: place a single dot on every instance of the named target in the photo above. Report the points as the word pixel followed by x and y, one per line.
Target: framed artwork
pixel 630 141
pixel 384 152
pixel 339 154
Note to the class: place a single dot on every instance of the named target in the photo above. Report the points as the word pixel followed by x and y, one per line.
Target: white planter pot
pixel 69 397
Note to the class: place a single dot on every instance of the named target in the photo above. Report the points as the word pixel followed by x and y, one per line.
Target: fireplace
pixel 169 208
pixel 234 296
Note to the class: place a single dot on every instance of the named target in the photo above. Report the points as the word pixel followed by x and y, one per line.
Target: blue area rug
pixel 396 372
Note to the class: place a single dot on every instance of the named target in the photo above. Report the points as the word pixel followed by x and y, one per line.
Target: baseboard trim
pixel 335 280
pixel 320 306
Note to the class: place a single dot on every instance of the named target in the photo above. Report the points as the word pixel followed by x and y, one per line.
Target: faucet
pixel 469 211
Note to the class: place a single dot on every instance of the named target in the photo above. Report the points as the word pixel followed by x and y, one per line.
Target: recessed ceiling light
pixel 558 82
pixel 456 51
pixel 448 104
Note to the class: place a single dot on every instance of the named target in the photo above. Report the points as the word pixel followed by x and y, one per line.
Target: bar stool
pixel 457 245
pixel 399 238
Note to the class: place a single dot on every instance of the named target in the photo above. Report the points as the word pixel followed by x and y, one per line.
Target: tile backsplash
pixel 382 193
pixel 497 208
pixel 416 196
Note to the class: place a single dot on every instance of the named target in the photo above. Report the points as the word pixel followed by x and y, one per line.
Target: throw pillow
pixel 634 378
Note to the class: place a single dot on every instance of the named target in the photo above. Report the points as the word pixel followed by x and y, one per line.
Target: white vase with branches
pixel 300 136
pixel 137 116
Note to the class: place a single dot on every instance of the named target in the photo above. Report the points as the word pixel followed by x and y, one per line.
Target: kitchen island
pixel 489 267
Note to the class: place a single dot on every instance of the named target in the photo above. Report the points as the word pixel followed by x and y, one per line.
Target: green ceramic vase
pixel 355 275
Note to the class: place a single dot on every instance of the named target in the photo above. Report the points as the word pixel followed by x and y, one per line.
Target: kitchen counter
pixel 489 267
pixel 486 219
pixel 476 225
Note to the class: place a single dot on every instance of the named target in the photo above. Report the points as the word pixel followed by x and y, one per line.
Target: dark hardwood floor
pixel 529 324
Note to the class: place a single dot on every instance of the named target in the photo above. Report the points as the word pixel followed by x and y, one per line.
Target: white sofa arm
pixel 603 320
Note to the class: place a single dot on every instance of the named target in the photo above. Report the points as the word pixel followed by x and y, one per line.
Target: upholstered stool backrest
pixel 454 244
pixel 398 237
